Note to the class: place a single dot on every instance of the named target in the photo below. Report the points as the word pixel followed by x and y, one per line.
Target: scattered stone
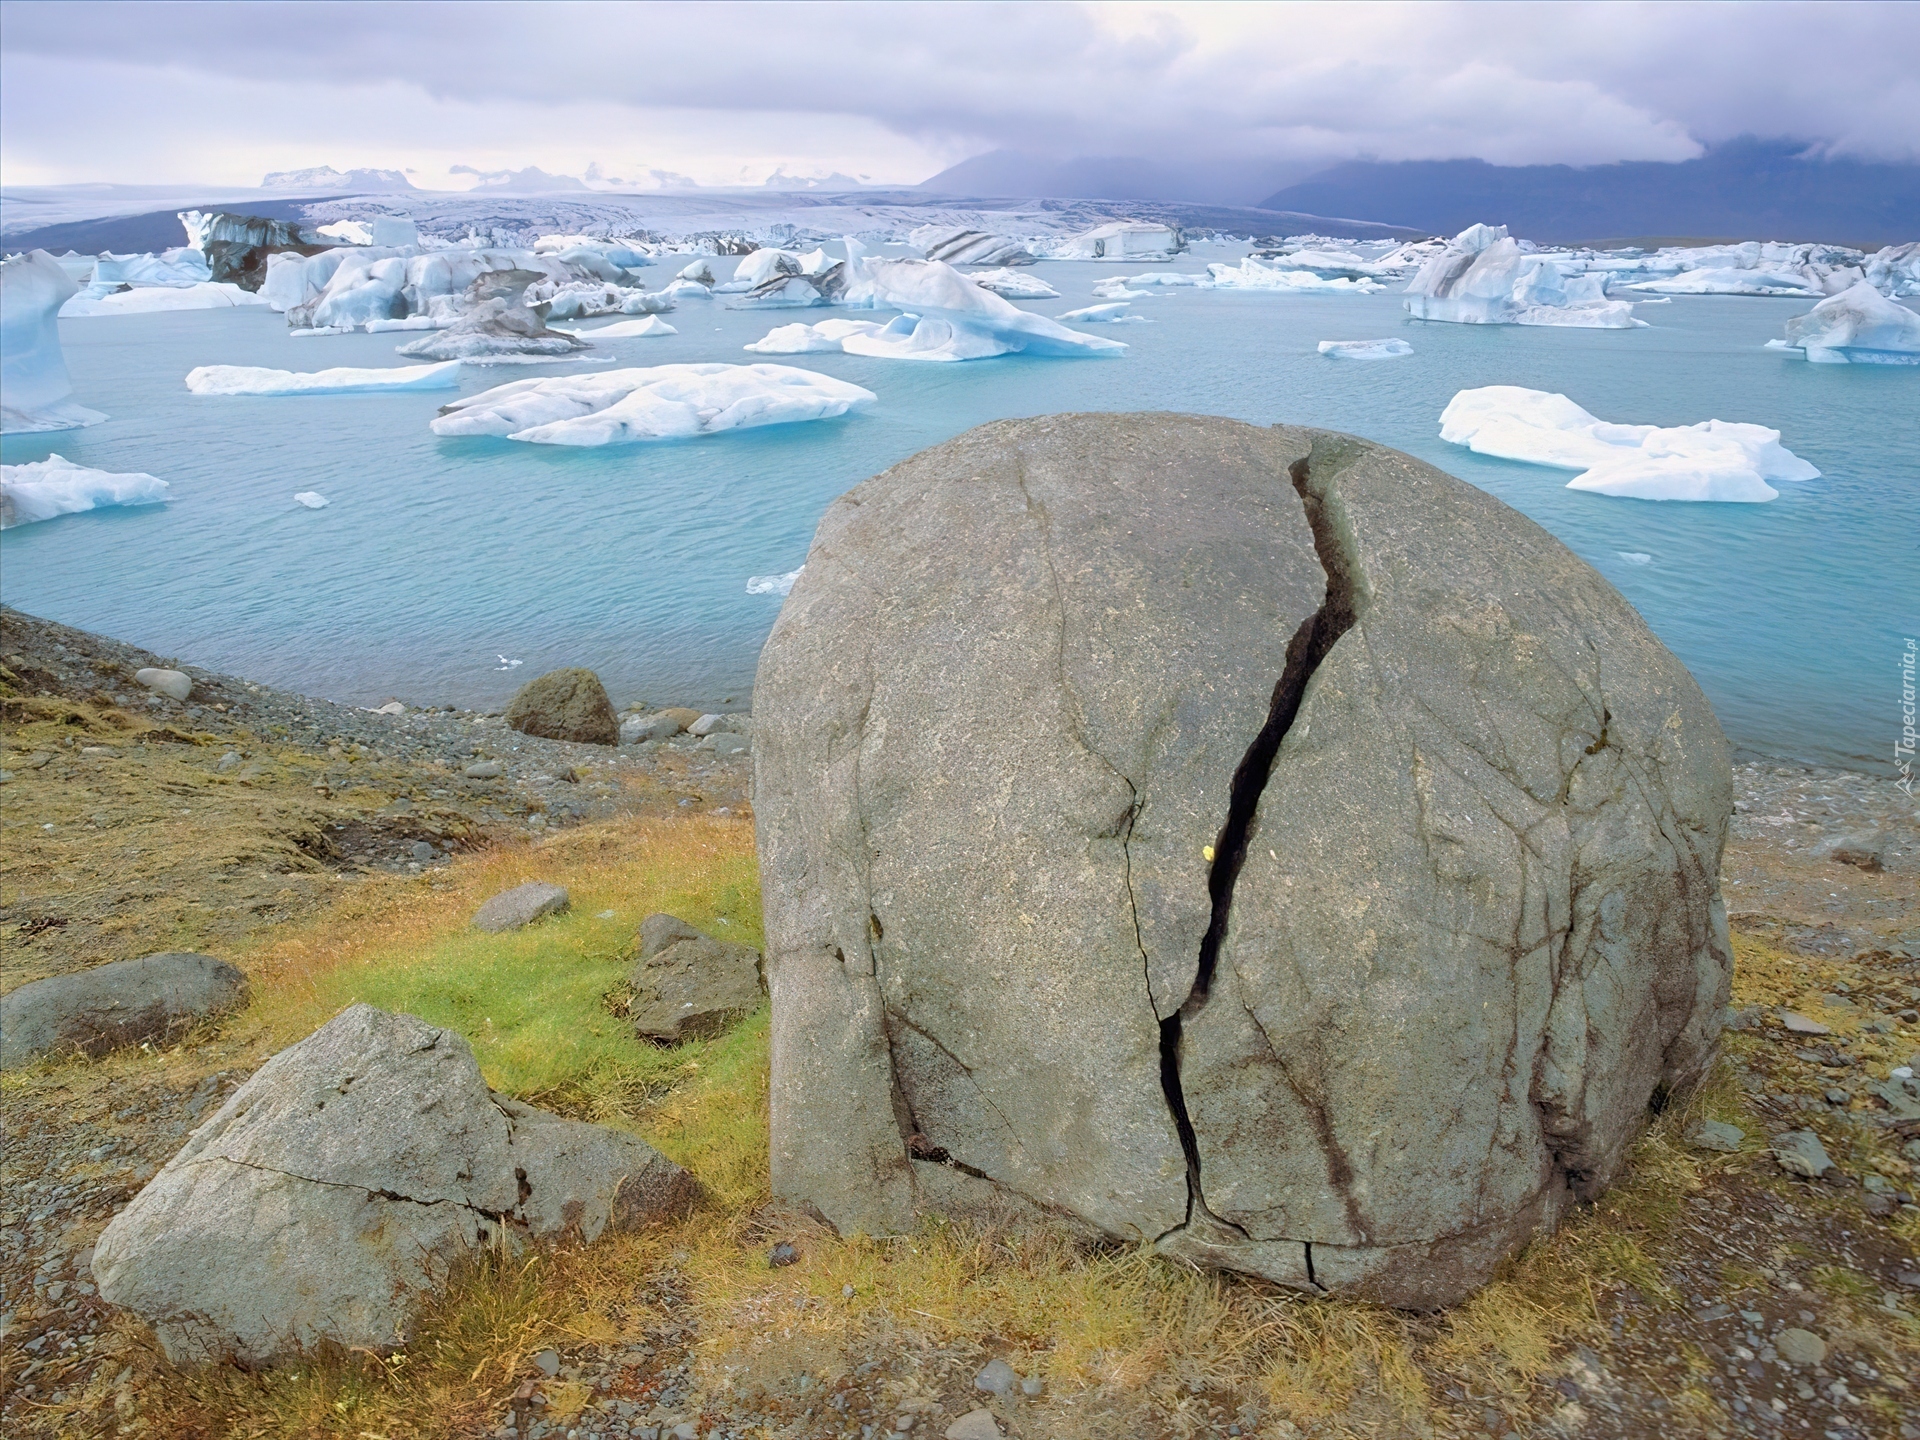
pixel 484 770
pixel 1799 1152
pixel 1716 1135
pixel 1801 1025
pixel 688 985
pixel 1744 1019
pixel 1865 852
pixel 1033 1386
pixel 638 729
pixel 998 1378
pixel 125 1003
pixel 519 907
pixel 365 1161
pixel 707 725
pixel 781 1255
pixel 174 684
pixel 548 1363
pixel 724 743
pixel 567 704
pixel 1800 1347
pixel 423 852
pixel 1901 1094
pixel 974 1425
pixel 906 829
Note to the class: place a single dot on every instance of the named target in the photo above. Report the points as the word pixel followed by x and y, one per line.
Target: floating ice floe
pixel 1012 284
pixel 580 299
pixel 257 380
pixel 773 584
pixel 175 268
pixel 36 393
pixel 980 322
pixel 148 300
pixel 1714 460
pixel 1365 349
pixel 1485 278
pixel 1111 314
pixel 780 292
pixel 801 339
pixel 1635 557
pixel 1859 326
pixel 42 489
pixel 498 325
pixel 627 329
pixel 1728 282
pixel 968 247
pixel 661 402
pixel 758 268
pixel 1122 240
pixel 311 499
pixel 1118 289
pixel 1254 273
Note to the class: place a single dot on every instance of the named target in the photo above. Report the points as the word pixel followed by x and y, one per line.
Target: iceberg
pixel 347 232
pixel 930 337
pixel 1712 461
pixel 801 339
pixel 497 324
pixel 1729 282
pixel 758 268
pixel 184 266
pixel 311 499
pixel 1253 273
pixel 661 402
pixel 1859 326
pixel 627 330
pixel 56 486
pixel 1012 285
pixel 773 584
pixel 1364 349
pixel 256 380
pixel 1114 314
pixel 151 299
pixel 979 323
pixel 700 272
pixel 968 247
pixel 1894 270
pixel 36 392
pixel 780 292
pixel 1484 278
pixel 1124 240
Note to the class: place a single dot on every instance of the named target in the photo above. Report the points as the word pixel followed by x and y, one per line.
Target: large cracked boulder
pixel 1249 841
pixel 344 1182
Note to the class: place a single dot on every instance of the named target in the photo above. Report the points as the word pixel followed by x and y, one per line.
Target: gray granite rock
pixel 657 725
pixel 94 1011
pixel 689 986
pixel 174 684
pixel 1799 1152
pixel 519 907
pixel 1716 1135
pixel 1345 890
pixel 339 1186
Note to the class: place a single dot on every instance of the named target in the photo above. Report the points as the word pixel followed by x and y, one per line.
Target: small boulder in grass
pixel 1799 1152
pixel 1716 1135
pixel 688 985
pixel 519 907
pixel 91 1012
pixel 174 684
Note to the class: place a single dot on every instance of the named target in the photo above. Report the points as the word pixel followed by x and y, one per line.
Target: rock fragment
pixel 1799 1152
pixel 519 907
pixel 568 704
pixel 689 986
pixel 174 684
pixel 128 1002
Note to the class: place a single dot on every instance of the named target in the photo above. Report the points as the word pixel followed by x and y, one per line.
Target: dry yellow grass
pixel 1124 1338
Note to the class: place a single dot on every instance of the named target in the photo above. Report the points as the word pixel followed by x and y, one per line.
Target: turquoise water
pixel 436 556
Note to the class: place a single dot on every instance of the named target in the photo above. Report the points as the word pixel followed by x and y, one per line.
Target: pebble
pixel 1799 1152
pixel 997 1378
pixel 781 1254
pixel 1716 1135
pixel 974 1425
pixel 1801 1025
pixel 1800 1347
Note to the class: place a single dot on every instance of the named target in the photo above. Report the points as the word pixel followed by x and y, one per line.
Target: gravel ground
pixel 1822 867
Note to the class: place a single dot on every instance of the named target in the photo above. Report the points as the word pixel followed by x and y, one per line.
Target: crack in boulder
pixel 1309 647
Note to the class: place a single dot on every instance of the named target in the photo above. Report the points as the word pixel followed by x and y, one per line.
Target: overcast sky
pixel 222 93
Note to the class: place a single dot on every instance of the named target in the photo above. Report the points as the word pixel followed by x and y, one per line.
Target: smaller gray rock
pixel 707 725
pixel 1800 1347
pixel 1902 1096
pixel 638 729
pixel 974 1425
pixel 781 1255
pixel 485 770
pixel 548 1363
pixel 424 852
pixel 996 1378
pixel 1799 1152
pixel 174 684
pixel 689 986
pixel 1802 1025
pixel 724 743
pixel 1033 1386
pixel 519 907
pixel 1716 1135
pixel 126 1003
pixel 228 761
pixel 1865 852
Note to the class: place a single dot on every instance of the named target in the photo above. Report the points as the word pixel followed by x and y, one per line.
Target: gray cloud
pixel 1577 83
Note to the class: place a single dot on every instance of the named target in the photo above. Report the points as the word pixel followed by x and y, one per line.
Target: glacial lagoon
pixel 435 557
